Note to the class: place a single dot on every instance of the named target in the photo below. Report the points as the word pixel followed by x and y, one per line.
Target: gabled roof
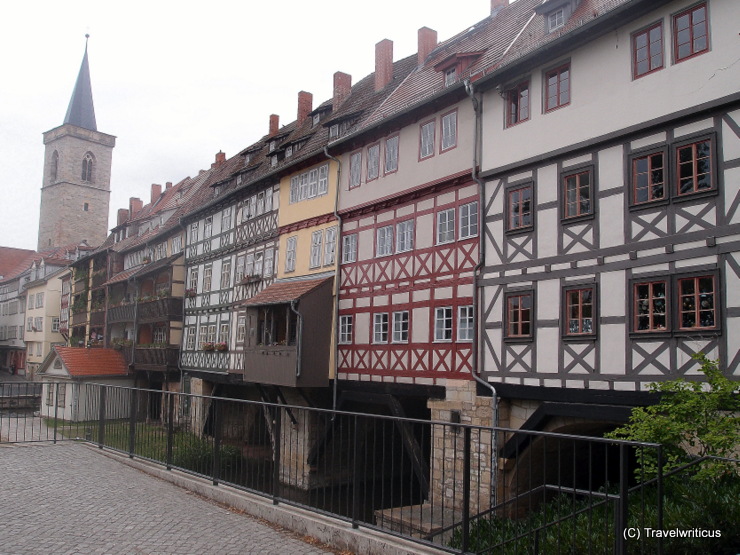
pixel 81 111
pixel 15 261
pixel 285 291
pixel 87 363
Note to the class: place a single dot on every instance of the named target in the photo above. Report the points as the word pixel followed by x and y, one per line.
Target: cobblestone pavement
pixel 66 499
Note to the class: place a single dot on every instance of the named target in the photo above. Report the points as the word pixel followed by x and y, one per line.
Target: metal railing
pixel 434 482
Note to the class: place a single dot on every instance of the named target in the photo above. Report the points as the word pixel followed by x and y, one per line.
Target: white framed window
pixel 391 154
pixel 207 277
pixel 39 300
pixel 345 329
pixel 465 323
pixel 384 242
pixel 223 332
pixel 303 187
pixel 259 259
pixel 349 248
pixel 241 329
pixel 355 169
pixel 249 269
pixel 324 179
pixel 226 273
pixel 208 227
pixel 313 183
pixel 450 76
pixel 445 226
pixel 190 339
pixel 289 151
pixel 226 219
pixel 401 326
pixel 193 279
pixel 316 240
pixel 239 272
pixel 38 323
pixel 203 337
pixel 330 246
pixel 373 162
pixel 193 232
pixel 555 20
pixel 443 323
pixel 380 328
pixel 160 334
pixel 211 337
pixel 269 264
pixel 449 130
pixel 405 236
pixel 290 252
pixel 294 191
pixel 268 200
pixel 176 244
pixel 260 203
pixel 469 220
pixel 334 131
pixel 55 325
pixel 426 140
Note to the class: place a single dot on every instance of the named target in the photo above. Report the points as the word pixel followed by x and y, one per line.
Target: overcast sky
pixel 176 82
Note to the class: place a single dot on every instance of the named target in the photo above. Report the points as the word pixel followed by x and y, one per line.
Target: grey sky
pixel 176 82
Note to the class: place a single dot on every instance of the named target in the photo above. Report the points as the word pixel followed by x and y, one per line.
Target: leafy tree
pixel 691 419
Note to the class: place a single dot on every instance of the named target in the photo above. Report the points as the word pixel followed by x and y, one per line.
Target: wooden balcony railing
pixel 167 308
pixel 122 313
pixel 156 358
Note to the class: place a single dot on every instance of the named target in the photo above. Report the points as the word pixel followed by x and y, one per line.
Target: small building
pixel 67 371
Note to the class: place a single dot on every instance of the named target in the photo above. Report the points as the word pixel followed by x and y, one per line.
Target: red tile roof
pixel 85 363
pixel 285 291
pixel 14 261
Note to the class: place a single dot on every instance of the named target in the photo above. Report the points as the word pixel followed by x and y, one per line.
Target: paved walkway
pixel 66 498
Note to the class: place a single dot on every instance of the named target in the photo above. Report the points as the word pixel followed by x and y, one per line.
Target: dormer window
pixel 316 119
pixel 247 159
pixel 334 131
pixel 273 144
pixel 289 151
pixel 273 161
pixel 216 190
pixel 555 20
pixel 450 76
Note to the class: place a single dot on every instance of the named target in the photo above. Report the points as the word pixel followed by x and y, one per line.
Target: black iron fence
pixel 460 487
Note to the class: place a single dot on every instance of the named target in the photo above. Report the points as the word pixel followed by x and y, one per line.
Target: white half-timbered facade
pixel 612 249
pixel 231 254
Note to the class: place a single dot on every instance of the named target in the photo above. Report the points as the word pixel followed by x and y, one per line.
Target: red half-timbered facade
pixel 406 289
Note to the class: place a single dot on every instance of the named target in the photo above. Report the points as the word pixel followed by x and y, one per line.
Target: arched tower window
pixel 54 166
pixel 88 166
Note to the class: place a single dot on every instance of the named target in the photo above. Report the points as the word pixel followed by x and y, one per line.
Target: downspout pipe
pixel 298 339
pixel 336 281
pixel 477 359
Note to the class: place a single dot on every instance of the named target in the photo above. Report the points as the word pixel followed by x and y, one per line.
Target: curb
pixel 333 532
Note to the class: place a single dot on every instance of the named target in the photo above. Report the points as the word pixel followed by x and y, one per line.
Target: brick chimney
pixel 383 64
pixel 342 88
pixel 134 206
pixel 427 43
pixel 220 159
pixel 122 216
pixel 496 5
pixel 305 105
pixel 168 185
pixel 156 192
pixel 274 125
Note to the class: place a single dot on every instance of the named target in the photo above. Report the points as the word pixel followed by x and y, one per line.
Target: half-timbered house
pixel 610 148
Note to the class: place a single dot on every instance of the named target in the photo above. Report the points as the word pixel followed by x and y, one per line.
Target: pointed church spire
pixel 81 111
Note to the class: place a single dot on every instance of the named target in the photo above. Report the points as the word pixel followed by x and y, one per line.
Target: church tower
pixel 75 194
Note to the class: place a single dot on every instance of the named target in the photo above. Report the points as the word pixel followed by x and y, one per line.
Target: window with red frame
pixel 557 87
pixel 650 306
pixel 517 104
pixel 577 195
pixel 647 50
pixel 519 315
pixel 691 32
pixel 648 178
pixel 694 167
pixel 520 208
pixel 579 311
pixel 696 306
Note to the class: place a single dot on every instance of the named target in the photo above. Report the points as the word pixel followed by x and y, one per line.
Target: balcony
pixel 80 286
pixel 97 317
pixel 274 364
pixel 156 358
pixel 122 313
pixel 169 308
pixel 79 318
